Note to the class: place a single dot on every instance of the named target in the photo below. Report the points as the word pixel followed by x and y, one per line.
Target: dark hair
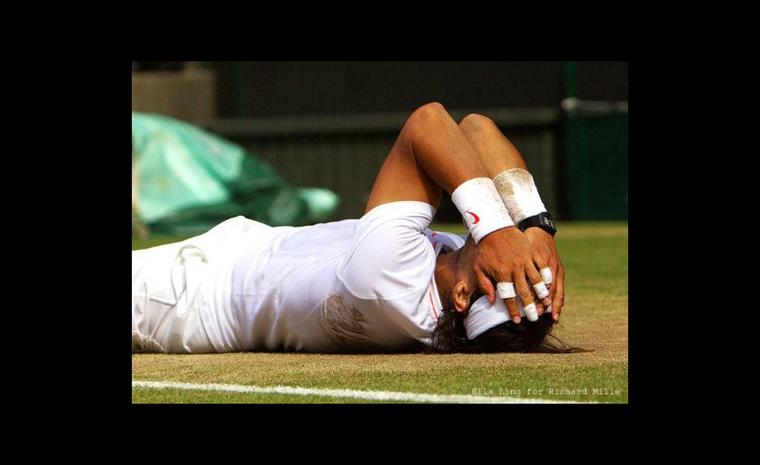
pixel 450 336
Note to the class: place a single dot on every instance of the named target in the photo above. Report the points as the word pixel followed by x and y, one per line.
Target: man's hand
pixel 546 249
pixel 506 255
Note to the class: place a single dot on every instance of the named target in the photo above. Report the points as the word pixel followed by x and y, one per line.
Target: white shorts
pixel 168 291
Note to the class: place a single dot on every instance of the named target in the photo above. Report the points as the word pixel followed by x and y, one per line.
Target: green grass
pixel 595 318
pixel 481 375
pixel 143 395
pixel 154 241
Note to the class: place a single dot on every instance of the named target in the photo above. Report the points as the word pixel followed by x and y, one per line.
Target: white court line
pixel 349 393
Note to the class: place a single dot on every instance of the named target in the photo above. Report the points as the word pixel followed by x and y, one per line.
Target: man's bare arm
pixel 432 154
pixel 497 154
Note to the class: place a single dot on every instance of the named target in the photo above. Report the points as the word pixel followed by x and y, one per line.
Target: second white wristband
pixel 519 193
pixel 481 207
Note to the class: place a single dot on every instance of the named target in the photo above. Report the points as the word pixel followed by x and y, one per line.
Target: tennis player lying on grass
pixel 384 282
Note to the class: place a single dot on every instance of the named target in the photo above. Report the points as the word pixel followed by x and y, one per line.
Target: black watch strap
pixel 542 220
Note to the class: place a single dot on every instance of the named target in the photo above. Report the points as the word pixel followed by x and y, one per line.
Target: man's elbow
pixel 476 123
pixel 427 114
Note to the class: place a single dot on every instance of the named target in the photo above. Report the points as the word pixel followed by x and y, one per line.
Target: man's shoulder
pixel 446 239
pixel 389 266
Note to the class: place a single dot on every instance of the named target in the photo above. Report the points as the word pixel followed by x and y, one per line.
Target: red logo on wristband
pixel 477 218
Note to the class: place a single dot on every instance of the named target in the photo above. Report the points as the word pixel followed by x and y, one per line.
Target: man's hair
pixel 450 336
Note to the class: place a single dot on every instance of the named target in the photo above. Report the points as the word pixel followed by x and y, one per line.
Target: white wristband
pixel 519 193
pixel 481 207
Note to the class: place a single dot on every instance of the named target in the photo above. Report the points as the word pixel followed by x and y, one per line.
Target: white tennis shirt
pixel 361 284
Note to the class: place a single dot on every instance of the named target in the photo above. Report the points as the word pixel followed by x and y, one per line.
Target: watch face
pixel 542 220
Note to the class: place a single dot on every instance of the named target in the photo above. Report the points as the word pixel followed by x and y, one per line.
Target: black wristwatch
pixel 542 220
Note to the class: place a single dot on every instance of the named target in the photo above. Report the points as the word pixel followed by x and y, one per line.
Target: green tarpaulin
pixel 188 180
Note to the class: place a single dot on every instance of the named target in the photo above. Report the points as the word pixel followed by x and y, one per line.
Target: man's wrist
pixel 481 207
pixel 519 193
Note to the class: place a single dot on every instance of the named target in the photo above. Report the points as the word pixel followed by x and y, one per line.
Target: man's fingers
pixel 538 285
pixel 514 312
pixel 526 297
pixel 559 297
pixel 547 273
pixel 505 290
pixel 540 263
pixel 550 272
pixel 486 286
pixel 542 293
pixel 523 290
pixel 533 275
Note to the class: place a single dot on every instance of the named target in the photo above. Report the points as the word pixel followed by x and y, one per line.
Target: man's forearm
pixel 505 166
pixel 433 154
pixel 516 187
pixel 442 149
pixel 495 152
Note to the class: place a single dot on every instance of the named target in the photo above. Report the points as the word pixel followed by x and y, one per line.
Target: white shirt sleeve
pixel 390 265
pixel 390 251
